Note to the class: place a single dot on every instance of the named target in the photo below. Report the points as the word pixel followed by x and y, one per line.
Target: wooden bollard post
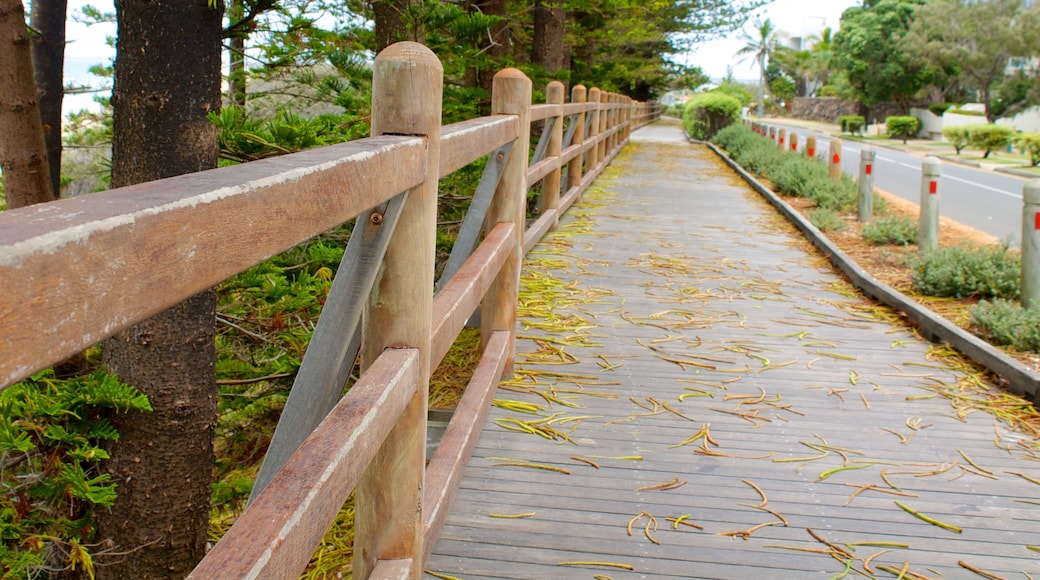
pixel 866 184
pixel 793 138
pixel 781 142
pixel 1031 244
pixel 928 221
pixel 592 156
pixel 604 118
pixel 550 200
pixel 834 160
pixel 772 133
pixel 574 173
pixel 511 95
pixel 407 82
pixel 810 146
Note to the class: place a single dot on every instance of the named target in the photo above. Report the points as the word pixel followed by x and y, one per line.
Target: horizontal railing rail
pixel 76 271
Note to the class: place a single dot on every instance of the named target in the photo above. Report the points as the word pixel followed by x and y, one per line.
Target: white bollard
pixel 866 184
pixel 1031 244
pixel 928 222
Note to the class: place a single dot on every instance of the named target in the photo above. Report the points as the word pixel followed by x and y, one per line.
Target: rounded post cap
pixel 408 51
pixel 931 166
pixel 1031 192
pixel 868 153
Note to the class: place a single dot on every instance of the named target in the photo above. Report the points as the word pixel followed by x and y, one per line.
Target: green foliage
pixel 707 113
pixel 737 91
pixel 791 173
pixel 938 109
pixel 966 112
pixel 782 88
pixel 827 91
pixel 902 127
pixel 853 124
pixel 960 272
pixel 1030 143
pixel 990 138
pixel 244 138
pixel 895 230
pixel 958 135
pixel 870 51
pixel 826 219
pixel 1007 323
pixel 52 436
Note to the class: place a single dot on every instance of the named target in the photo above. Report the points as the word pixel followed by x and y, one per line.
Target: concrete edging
pixel 1020 379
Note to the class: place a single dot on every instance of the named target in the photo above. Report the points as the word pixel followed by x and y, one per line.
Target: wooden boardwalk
pixel 672 306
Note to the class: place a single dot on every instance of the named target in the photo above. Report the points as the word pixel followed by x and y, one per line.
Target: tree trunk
pixel 393 23
pixel 48 55
pixel 237 57
pixel 23 152
pixel 547 49
pixel 167 79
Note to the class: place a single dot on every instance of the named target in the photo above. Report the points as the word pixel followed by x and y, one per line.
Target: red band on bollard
pixel 837 158
pixel 794 147
pixel 1037 218
pixel 812 152
pixel 870 168
pixel 933 187
pixel 781 140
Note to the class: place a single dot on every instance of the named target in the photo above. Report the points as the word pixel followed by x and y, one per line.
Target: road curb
pixel 1020 380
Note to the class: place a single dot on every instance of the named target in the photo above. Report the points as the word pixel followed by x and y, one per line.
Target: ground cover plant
pixel 976 287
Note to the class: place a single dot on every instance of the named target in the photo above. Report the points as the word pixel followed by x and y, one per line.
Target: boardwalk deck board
pixel 671 257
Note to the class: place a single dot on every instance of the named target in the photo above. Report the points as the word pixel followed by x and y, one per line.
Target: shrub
pixel 827 91
pixel 939 108
pixel 707 113
pixel 52 437
pixel 852 124
pixel 966 113
pixel 990 138
pixel 960 272
pixel 1006 323
pixel 791 173
pixel 958 135
pixel 902 127
pixel 826 219
pixel 1030 143
pixel 895 230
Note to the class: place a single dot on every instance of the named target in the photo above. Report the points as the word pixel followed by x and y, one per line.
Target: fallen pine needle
pixel 583 460
pixel 682 520
pixel 979 571
pixel 511 516
pixel 928 519
pixel 761 493
pixel 603 564
pixel 665 485
pixel 534 466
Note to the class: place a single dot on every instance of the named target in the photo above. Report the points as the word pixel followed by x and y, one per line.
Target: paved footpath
pixel 698 395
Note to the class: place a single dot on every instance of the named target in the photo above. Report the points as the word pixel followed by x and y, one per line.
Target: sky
pixel 795 17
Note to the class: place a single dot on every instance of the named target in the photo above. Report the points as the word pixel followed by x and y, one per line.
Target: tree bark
pixel 167 79
pixel 392 22
pixel 23 152
pixel 547 48
pixel 237 57
pixel 48 54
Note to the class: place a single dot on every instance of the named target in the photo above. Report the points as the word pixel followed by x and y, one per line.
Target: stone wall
pixel 825 109
pixel 828 109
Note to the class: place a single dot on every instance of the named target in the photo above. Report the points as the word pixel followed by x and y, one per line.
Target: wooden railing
pixel 78 270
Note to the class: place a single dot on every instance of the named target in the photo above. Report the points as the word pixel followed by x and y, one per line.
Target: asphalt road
pixel 987 201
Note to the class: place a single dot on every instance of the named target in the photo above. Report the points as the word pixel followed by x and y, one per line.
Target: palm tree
pixel 760 44
pixel 821 56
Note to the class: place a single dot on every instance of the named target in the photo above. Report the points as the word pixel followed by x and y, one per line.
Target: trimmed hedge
pixel 902 127
pixel 1030 143
pixel 960 272
pixel 958 135
pixel 707 113
pixel 852 124
pixel 990 138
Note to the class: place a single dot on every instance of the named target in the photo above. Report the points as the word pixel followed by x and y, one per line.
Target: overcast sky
pixel 794 17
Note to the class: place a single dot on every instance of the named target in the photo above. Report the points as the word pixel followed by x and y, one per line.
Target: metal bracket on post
pixel 543 141
pixel 334 346
pixel 473 223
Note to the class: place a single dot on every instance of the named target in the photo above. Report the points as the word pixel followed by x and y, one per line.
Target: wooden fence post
pixel 510 95
pixel 574 173
pixel 604 117
pixel 592 157
pixel 406 100
pixel 550 200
